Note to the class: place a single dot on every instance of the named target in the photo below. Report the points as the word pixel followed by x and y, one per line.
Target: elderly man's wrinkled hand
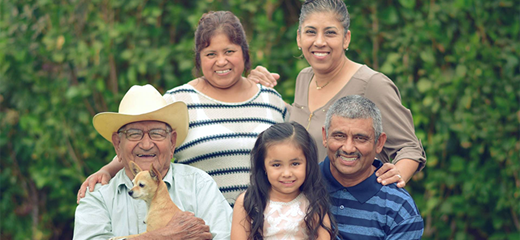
pixel 185 225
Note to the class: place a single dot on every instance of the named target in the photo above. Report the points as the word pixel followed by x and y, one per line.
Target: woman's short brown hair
pixel 224 22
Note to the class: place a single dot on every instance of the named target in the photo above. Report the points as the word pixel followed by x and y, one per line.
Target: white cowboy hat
pixel 143 103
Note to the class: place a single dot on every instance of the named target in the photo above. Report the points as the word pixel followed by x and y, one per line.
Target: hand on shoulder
pixel 263 76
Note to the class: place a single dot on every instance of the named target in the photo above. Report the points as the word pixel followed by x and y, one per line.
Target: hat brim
pixel 174 114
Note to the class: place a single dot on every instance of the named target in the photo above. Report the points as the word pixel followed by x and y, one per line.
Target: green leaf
pixel 427 56
pixel 461 70
pixel 424 85
pixel 58 57
pixel 391 60
pixel 126 54
pixel 457 164
pixel 407 3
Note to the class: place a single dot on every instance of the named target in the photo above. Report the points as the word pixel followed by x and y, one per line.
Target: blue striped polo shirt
pixel 370 210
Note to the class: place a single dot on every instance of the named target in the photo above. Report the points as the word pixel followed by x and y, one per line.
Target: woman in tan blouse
pixel 323 37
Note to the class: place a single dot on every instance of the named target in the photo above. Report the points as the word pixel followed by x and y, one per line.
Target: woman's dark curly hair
pixel 225 22
pixel 257 194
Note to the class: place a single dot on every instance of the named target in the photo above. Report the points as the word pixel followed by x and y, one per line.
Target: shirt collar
pixel 123 181
pixel 362 191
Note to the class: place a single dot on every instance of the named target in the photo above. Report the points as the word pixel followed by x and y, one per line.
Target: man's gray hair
pixel 355 107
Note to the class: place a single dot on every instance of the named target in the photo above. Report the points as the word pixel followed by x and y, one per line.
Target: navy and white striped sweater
pixel 221 135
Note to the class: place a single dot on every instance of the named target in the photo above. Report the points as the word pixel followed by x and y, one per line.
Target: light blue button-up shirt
pixel 109 211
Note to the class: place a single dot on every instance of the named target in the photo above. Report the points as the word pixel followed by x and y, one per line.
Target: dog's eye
pixel 141 185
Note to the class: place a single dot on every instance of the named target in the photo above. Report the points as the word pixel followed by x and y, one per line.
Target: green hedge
pixel 455 62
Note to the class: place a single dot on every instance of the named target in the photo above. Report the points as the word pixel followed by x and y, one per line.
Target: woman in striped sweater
pixel 227 111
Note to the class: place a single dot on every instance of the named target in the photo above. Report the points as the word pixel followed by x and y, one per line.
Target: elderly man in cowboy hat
pixel 146 130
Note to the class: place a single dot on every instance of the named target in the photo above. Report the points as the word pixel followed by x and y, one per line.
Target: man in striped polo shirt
pixel 362 207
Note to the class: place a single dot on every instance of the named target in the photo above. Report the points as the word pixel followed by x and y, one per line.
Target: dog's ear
pixel 154 174
pixel 135 168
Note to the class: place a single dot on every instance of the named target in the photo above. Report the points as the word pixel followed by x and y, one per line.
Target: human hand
pixel 263 76
pixel 101 176
pixel 184 225
pixel 389 174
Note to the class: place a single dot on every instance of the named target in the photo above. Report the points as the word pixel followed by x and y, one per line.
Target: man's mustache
pixel 341 152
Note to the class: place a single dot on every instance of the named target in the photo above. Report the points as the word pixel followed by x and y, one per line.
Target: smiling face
pixel 222 62
pixel 145 151
pixel 351 148
pixel 285 166
pixel 323 41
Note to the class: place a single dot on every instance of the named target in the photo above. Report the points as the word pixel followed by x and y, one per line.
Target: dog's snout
pixel 130 192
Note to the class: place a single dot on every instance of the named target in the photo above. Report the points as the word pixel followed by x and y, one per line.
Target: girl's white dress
pixel 285 220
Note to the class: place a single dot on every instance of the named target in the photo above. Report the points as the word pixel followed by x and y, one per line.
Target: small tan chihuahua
pixel 149 186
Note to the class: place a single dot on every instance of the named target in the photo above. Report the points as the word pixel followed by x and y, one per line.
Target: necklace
pixel 316 81
pixel 318 87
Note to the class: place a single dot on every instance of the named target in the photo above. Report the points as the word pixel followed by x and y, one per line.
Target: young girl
pixel 286 198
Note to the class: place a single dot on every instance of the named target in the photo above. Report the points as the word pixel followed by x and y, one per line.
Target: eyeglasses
pixel 137 134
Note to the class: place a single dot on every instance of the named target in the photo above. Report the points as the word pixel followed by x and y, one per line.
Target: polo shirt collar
pixel 123 181
pixel 362 191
